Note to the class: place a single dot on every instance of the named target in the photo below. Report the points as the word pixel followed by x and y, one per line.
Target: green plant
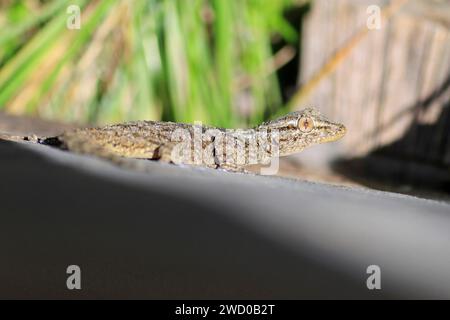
pixel 196 60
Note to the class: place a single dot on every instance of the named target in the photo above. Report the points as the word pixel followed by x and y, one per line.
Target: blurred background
pixel 237 63
pixel 211 61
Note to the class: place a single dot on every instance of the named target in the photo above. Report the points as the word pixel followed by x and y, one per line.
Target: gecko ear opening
pixel 305 124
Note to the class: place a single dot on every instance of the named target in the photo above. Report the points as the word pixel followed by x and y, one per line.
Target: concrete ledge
pixel 184 233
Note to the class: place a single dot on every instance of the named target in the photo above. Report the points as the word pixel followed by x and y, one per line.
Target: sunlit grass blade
pixel 80 40
pixel 171 59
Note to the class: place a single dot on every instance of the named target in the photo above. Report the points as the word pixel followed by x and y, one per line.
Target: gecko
pixel 196 144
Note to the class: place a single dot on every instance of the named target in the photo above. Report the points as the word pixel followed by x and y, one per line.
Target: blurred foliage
pixel 181 60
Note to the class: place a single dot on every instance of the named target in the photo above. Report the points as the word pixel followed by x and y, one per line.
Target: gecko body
pixel 193 144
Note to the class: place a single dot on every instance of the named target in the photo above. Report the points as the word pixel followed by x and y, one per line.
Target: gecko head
pixel 306 127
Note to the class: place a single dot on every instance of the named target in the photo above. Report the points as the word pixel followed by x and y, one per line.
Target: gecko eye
pixel 305 124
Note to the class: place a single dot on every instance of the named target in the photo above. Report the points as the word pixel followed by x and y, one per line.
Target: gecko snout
pixel 342 130
pixel 333 132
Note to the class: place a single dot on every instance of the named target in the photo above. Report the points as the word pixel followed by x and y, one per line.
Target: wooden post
pixel 393 89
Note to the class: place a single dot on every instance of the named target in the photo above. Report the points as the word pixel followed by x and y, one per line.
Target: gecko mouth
pixel 336 134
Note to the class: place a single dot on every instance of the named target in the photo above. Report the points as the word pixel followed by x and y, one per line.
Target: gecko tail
pixel 49 141
pixel 30 138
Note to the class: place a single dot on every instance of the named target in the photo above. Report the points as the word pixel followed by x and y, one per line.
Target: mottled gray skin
pixel 181 143
pixel 293 140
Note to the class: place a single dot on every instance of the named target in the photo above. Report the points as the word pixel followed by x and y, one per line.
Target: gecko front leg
pixel 174 152
pixel 232 168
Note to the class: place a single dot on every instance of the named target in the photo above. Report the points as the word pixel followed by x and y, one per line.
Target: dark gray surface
pixel 196 233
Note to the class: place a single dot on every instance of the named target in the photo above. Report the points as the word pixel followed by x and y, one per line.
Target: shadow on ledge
pixel 136 242
pixel 416 164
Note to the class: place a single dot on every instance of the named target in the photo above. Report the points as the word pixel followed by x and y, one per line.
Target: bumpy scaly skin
pixel 231 149
pixel 207 146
